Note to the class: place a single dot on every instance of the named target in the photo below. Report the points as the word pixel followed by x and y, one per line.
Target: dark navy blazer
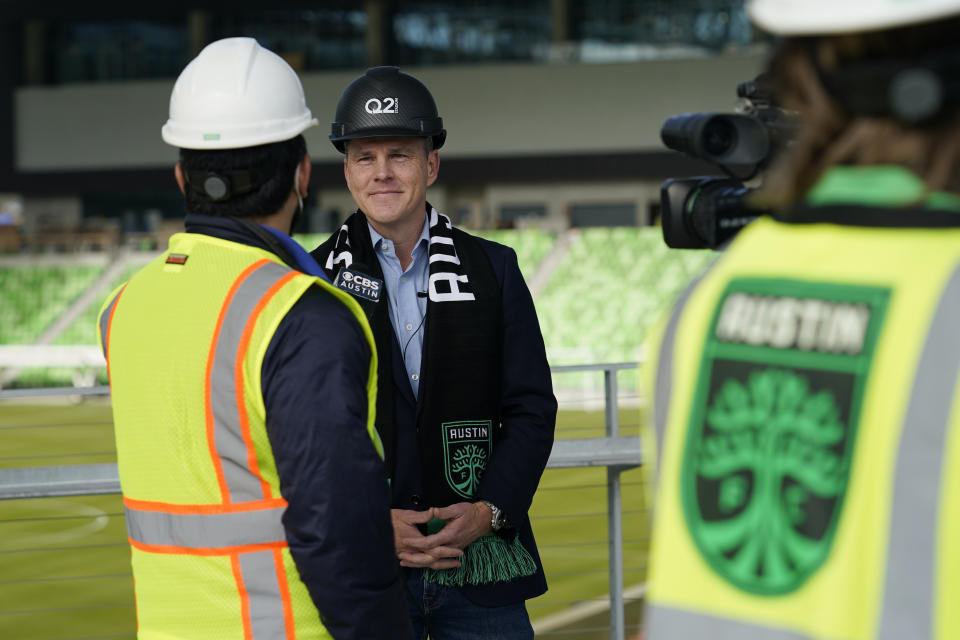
pixel 528 410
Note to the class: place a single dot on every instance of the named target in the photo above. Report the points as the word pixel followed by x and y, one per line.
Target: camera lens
pixel 719 136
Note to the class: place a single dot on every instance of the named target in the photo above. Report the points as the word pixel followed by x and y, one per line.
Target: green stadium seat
pixel 610 287
pixel 33 297
pixel 84 329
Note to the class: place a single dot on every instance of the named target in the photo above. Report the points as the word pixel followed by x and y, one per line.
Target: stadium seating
pixel 32 297
pixel 612 285
pixel 531 245
pixel 84 329
pixel 310 241
pixel 597 305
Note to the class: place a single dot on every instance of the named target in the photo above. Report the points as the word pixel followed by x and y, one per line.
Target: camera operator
pixel 805 388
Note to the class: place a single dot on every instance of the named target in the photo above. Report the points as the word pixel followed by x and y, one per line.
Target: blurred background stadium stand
pixel 553 109
pixel 597 290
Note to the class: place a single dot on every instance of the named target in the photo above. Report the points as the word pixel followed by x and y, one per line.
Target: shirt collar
pixel 376 238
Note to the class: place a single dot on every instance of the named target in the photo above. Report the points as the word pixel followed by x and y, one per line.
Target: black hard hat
pixel 386 102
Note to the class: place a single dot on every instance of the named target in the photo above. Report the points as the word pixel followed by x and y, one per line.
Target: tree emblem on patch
pixel 466 450
pixel 765 474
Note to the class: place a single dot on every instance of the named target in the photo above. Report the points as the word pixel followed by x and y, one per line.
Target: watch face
pixel 496 520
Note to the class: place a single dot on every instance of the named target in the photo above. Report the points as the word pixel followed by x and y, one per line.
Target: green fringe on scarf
pixel 488 559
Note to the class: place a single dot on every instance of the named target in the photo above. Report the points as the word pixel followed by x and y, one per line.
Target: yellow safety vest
pixel 805 414
pixel 185 340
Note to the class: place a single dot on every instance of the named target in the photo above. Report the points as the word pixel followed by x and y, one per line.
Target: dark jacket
pixel 528 416
pixel 337 522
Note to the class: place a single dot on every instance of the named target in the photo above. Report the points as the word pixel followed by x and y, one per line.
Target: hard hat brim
pixel 387 132
pixel 828 17
pixel 221 137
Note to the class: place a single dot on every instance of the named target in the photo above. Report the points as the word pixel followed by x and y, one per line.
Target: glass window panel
pixel 452 32
pixel 309 39
pixel 641 26
pixel 618 214
pixel 509 214
pixel 88 51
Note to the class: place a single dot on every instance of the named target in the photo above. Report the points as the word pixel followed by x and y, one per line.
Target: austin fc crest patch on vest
pixel 774 424
pixel 466 450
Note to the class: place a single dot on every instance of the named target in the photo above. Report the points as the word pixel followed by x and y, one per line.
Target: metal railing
pixel 615 452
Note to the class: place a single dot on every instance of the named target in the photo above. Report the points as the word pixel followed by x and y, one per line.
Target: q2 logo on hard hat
pixel 386 105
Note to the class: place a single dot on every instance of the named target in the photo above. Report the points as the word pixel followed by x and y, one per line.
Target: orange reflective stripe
pixel 205 551
pixel 284 593
pixel 106 323
pixel 211 442
pixel 229 424
pixel 244 597
pixel 260 572
pixel 252 463
pixel 168 507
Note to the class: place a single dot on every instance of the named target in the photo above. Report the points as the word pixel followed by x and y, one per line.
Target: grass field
pixel 64 563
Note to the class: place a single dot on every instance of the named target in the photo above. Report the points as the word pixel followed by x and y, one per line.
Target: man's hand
pixel 466 521
pixel 409 542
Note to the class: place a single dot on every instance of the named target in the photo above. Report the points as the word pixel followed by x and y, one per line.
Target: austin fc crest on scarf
pixel 466 450
pixel 774 425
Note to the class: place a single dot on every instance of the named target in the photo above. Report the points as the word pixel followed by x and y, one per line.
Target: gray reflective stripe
pixel 260 579
pixel 667 623
pixel 664 382
pixel 909 598
pixel 206 530
pixel 105 323
pixel 242 483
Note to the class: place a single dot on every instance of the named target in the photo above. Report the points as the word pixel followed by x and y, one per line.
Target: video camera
pixel 704 212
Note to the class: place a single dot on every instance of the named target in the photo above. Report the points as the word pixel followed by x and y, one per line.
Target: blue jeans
pixel 444 614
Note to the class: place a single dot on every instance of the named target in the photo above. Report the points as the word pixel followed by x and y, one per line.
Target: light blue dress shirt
pixel 407 310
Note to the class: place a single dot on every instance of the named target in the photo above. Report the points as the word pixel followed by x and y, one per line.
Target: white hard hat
pixel 236 94
pixel 816 17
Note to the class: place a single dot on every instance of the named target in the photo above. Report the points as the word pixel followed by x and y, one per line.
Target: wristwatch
pixel 497 519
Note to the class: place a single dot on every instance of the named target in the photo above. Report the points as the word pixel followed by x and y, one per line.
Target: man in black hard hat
pixel 465 405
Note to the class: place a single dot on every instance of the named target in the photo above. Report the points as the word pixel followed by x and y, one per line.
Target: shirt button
pixel 416 500
pixel 415 377
pixel 403 279
pixel 409 327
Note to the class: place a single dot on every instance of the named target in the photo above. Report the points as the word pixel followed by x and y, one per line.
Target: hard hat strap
pixel 915 91
pixel 223 185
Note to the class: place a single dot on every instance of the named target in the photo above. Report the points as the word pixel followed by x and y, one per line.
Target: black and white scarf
pixel 448 280
pixel 458 424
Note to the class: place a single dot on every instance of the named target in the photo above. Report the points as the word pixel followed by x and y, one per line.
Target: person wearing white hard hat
pixel 805 390
pixel 243 388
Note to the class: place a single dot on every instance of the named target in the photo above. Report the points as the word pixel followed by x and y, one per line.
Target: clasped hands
pixel 465 522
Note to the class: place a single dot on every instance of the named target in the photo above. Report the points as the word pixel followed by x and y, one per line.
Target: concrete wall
pixel 488 110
